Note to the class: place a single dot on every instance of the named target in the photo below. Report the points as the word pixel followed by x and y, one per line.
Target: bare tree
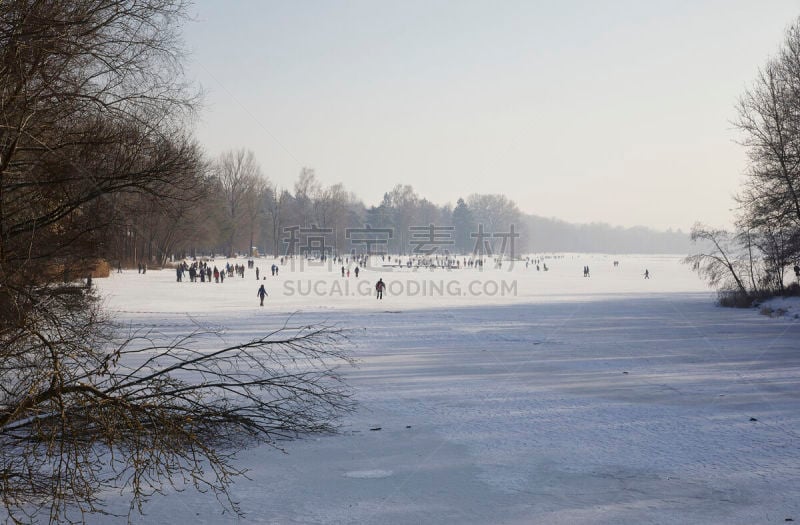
pixel 720 261
pixel 91 411
pixel 240 179
pixel 254 207
pixel 778 247
pixel 306 190
pixel 276 202
pixel 330 211
pixel 495 212
pixel 769 119
pixel 754 260
pixel 93 139
pixel 404 201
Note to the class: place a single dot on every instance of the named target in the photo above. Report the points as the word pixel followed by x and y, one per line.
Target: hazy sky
pixel 615 111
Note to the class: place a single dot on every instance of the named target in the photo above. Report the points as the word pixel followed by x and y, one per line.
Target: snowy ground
pixel 609 399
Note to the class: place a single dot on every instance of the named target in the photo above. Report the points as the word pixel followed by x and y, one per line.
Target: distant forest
pixel 236 210
pixel 554 235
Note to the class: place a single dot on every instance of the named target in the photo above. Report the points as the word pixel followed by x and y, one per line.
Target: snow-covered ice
pixel 609 399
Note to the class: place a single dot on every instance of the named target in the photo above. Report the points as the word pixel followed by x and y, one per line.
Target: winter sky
pixel 612 111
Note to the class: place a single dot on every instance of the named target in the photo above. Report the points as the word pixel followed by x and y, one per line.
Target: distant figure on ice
pixel 261 293
pixel 342 271
pixel 356 272
pixel 256 274
pixel 379 287
pixel 646 273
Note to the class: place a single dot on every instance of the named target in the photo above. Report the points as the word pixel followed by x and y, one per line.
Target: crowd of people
pixel 205 271
pixel 201 271
pixel 440 261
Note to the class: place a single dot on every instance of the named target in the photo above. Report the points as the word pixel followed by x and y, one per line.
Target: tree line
pixel 242 210
pixel 760 256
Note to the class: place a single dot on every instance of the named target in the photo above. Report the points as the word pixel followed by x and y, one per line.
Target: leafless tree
pixel 93 118
pixel 769 119
pixel 240 180
pixel 721 261
pixel 276 202
pixel 91 411
pixel 754 259
pixel 404 201
pixel 254 207
pixel 330 211
pixel 306 190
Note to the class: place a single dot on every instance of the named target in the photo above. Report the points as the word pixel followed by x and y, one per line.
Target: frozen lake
pixel 608 399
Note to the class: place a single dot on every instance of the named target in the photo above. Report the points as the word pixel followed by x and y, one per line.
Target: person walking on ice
pixel 261 293
pixel 380 286
pixel 646 273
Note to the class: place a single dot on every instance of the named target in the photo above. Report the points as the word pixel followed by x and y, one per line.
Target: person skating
pixel 356 272
pixel 261 293
pixel 380 286
pixel 646 273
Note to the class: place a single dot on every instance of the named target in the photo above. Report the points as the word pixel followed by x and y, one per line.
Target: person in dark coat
pixel 261 293
pixel 380 286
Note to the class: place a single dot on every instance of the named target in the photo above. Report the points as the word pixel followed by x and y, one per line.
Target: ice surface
pixel 608 399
